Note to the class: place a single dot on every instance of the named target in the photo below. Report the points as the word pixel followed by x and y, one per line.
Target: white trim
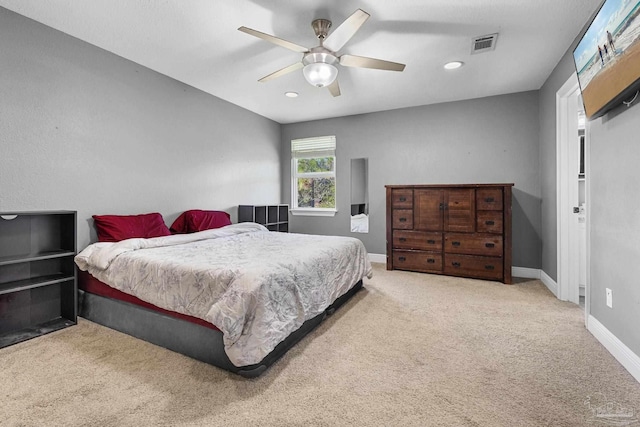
pixel 587 195
pixel 380 258
pixel 621 352
pixel 549 283
pixel 535 273
pixel 313 212
pixel 527 273
pixel 309 148
pixel 566 170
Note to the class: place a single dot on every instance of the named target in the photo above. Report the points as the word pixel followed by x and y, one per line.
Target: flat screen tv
pixel 607 58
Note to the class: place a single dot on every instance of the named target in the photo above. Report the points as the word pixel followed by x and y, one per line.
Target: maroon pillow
pixel 113 228
pixel 198 220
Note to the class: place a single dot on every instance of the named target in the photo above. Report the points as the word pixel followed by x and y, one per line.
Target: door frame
pixel 567 192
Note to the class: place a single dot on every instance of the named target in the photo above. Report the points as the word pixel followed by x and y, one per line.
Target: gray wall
pixel 614 154
pixel 615 223
pixel 477 141
pixel 86 130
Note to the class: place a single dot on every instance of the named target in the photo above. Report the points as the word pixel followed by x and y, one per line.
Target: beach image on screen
pixel 608 56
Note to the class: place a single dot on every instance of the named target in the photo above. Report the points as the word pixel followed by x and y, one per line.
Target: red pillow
pixel 199 220
pixel 113 228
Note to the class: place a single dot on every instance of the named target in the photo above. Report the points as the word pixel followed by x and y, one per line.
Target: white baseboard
pixel 621 352
pixel 527 273
pixel 535 273
pixel 549 283
pixel 381 258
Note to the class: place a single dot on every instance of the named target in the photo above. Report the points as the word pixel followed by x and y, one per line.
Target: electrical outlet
pixel 609 298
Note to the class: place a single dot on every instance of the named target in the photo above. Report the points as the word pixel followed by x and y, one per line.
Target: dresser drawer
pixel 473 266
pixel 473 244
pixel 489 199
pixel 402 199
pixel 489 222
pixel 402 219
pixel 428 262
pixel 417 240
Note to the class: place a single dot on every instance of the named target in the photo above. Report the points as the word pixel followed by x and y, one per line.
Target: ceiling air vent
pixel 484 43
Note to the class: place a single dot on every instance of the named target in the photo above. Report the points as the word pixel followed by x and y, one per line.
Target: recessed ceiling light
pixel 291 94
pixel 453 65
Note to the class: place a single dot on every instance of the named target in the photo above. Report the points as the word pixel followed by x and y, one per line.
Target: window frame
pixel 295 175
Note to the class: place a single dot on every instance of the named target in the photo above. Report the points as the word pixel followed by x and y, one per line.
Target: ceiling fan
pixel 319 63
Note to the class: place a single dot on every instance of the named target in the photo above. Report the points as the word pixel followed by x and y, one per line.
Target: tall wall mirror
pixel 359 195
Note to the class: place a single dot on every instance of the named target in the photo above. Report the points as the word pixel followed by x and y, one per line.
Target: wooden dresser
pixel 458 230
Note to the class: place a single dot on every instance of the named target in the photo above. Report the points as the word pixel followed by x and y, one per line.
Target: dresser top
pixel 448 185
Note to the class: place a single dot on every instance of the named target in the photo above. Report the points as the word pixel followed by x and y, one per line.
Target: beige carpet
pixel 409 350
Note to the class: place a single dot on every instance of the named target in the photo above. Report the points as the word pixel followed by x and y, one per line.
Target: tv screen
pixel 607 59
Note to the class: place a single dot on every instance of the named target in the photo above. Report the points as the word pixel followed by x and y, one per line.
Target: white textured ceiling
pixel 197 42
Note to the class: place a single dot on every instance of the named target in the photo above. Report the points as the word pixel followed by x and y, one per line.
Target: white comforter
pixel 256 286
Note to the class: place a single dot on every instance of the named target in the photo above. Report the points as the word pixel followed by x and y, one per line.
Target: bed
pixel 237 296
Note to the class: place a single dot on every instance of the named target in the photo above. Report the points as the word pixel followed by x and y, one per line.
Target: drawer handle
pixel 402 239
pixel 455 264
pixel 403 199
pixel 402 259
pixel 431 261
pixel 403 219
pixel 489 223
pixel 455 243
pixel 441 206
pixel 489 267
pixel 489 200
pixel 489 245
pixel 431 242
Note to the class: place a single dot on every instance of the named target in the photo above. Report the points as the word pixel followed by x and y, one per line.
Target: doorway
pixel 572 195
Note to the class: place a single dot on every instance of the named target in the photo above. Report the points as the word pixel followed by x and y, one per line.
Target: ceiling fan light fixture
pixel 320 74
pixel 319 69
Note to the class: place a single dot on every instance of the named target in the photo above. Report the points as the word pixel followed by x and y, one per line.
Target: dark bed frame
pixel 196 341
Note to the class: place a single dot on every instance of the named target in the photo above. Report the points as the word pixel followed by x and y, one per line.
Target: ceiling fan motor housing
pixel 321 28
pixel 319 54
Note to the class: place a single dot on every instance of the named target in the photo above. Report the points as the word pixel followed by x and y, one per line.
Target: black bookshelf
pixel 38 288
pixel 274 217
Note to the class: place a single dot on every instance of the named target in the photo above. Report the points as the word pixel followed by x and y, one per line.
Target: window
pixel 313 176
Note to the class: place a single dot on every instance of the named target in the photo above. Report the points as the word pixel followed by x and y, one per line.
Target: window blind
pixel 319 146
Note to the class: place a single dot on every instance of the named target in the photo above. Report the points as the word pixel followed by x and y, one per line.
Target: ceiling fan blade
pixel 334 88
pixel 282 72
pixel 341 35
pixel 364 62
pixel 275 40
